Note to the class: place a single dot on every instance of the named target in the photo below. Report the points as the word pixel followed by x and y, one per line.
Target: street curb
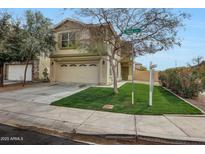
pixel 122 137
pixel 47 131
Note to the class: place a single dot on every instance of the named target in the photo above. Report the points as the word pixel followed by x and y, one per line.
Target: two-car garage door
pixel 78 73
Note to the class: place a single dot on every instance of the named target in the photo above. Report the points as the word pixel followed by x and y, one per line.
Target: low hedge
pixel 187 82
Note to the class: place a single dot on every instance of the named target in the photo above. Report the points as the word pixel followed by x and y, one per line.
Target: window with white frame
pixel 67 39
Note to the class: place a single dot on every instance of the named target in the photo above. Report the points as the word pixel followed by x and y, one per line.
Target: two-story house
pixel 71 64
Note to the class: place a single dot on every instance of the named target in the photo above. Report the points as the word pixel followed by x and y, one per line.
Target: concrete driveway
pixel 43 93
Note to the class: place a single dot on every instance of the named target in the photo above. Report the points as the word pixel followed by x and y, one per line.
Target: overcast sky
pixel 193 38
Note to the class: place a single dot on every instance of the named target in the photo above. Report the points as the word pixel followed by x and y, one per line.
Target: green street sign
pixel 131 31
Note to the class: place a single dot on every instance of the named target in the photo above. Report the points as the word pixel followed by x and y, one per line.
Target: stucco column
pixel 119 72
pixel 100 72
pixel 108 75
pixel 35 70
pixel 104 71
pixel 52 70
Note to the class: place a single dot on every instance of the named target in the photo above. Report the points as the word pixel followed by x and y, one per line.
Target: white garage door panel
pixel 78 74
pixel 16 72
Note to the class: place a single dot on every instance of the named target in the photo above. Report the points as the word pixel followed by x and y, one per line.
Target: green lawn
pixel 94 98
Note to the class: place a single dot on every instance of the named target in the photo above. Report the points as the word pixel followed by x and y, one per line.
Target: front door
pixel 125 72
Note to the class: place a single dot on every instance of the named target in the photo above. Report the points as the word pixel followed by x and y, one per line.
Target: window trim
pixel 66 40
pixel 60 39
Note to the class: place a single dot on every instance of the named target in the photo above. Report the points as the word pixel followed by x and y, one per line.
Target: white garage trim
pixel 16 72
pixel 77 72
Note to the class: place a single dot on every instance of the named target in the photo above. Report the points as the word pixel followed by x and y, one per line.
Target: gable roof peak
pixel 77 21
pixel 66 20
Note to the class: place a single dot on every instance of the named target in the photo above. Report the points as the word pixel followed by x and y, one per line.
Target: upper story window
pixel 67 40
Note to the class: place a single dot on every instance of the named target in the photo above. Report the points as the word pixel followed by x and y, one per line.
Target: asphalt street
pixel 15 136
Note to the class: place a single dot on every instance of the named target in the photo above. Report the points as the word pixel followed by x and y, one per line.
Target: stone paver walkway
pixel 69 120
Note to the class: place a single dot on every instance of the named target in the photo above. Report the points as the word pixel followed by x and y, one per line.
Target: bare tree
pixel 158 28
pixel 197 60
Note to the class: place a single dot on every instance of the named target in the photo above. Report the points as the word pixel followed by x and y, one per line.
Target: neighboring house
pixel 14 71
pixel 71 64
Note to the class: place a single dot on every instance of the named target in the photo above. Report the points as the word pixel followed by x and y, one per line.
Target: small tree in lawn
pixel 38 37
pixel 158 27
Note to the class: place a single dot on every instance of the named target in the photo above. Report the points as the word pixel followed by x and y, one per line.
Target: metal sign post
pixel 131 31
pixel 133 75
pixel 151 82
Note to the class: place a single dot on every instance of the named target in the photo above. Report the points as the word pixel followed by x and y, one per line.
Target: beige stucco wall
pixel 144 75
pixel 103 72
pixel 53 66
pixel 44 62
pixel 109 73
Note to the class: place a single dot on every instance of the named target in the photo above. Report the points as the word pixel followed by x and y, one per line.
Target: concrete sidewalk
pixel 60 120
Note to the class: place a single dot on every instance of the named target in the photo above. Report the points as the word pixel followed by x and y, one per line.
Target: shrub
pixel 45 74
pixel 186 82
pixel 203 82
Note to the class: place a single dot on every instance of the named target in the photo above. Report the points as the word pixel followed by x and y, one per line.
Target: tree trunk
pixel 1 74
pixel 115 88
pixel 115 82
pixel 25 71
